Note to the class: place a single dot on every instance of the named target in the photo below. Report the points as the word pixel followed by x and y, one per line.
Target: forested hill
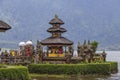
pixel 84 20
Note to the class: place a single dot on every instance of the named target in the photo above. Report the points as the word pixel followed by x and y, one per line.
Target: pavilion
pixel 4 26
pixel 56 45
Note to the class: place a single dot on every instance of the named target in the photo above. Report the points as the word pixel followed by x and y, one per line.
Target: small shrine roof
pixel 56 41
pixel 56 20
pixel 4 26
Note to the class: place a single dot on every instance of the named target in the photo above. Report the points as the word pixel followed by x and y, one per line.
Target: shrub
pixel 83 69
pixel 3 66
pixel 113 67
pixel 14 73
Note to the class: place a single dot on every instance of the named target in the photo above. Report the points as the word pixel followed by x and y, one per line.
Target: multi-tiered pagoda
pixel 57 45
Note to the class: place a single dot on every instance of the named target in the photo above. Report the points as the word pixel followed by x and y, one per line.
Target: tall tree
pixel 94 45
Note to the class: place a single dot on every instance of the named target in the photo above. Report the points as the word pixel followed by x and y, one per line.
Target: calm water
pixel 111 56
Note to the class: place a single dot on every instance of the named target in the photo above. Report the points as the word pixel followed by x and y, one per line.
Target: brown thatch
pixel 4 26
pixel 56 20
pixel 56 30
pixel 56 41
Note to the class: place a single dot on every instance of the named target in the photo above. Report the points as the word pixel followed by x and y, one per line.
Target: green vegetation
pixel 82 69
pixel 21 72
pixel 94 45
pixel 52 75
pixel 3 66
pixel 113 67
pixel 14 73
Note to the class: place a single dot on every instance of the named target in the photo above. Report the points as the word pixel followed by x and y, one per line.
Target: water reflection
pixel 111 56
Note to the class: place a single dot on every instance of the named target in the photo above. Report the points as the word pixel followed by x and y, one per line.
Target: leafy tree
pixel 94 45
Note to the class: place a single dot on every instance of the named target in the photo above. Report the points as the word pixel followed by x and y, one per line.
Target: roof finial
pixel 56 16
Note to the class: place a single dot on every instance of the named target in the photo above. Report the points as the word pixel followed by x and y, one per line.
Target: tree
pixel 94 45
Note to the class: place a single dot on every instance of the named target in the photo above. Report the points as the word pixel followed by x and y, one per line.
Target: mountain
pixel 84 20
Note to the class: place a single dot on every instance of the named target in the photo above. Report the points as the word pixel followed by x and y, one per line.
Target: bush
pixel 14 73
pixel 113 67
pixel 2 66
pixel 83 69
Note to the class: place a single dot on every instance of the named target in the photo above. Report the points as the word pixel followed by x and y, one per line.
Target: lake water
pixel 111 56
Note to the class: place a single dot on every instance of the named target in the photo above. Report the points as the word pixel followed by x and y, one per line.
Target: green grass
pixel 48 75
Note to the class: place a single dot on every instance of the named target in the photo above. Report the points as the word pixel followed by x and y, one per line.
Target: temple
pixel 56 45
pixel 55 49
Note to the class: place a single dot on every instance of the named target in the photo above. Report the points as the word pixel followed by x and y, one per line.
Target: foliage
pixel 83 69
pixel 94 45
pixel 2 66
pixel 113 67
pixel 14 73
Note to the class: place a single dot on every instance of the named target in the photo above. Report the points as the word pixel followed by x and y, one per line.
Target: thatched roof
pixel 56 41
pixel 56 20
pixel 4 26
